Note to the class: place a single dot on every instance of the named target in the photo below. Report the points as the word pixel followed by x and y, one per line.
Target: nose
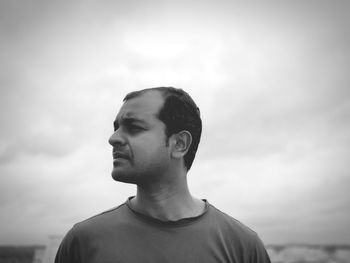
pixel 116 138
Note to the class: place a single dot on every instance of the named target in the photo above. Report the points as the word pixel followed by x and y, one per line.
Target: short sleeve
pixel 68 251
pixel 260 254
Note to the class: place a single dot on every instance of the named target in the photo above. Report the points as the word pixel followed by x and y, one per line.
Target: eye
pixel 134 128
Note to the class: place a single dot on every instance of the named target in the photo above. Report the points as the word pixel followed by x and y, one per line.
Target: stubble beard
pixel 141 177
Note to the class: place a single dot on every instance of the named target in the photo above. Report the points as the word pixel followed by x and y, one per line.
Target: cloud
pixel 51 194
pixel 270 79
pixel 279 95
pixel 273 194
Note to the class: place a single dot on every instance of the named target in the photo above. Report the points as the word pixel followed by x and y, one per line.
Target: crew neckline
pixel 168 223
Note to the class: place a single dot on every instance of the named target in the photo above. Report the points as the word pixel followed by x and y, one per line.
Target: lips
pixel 120 155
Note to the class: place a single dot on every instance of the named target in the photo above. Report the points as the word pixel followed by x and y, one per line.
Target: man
pixel 155 139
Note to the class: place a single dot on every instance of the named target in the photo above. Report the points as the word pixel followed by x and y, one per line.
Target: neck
pixel 167 201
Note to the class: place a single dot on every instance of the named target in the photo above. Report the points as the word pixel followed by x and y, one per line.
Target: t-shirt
pixel 122 235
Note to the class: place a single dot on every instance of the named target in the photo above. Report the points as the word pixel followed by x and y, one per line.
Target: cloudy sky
pixel 271 79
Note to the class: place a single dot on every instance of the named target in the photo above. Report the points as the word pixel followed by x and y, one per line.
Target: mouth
pixel 120 155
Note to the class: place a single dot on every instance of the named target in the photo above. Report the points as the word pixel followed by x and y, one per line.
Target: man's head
pixel 155 131
pixel 179 112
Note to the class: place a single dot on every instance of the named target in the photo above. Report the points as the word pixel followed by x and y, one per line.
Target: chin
pixel 123 177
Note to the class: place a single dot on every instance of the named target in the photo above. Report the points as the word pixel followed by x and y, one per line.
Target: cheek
pixel 149 149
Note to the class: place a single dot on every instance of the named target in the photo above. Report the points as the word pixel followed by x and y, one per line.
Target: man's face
pixel 140 153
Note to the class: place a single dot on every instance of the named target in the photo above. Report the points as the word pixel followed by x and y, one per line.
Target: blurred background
pixel 271 79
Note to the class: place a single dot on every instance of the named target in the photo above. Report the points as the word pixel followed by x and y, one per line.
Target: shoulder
pixel 102 220
pixel 235 232
pixel 86 231
pixel 232 226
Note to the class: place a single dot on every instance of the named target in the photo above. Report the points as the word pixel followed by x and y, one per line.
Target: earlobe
pixel 182 143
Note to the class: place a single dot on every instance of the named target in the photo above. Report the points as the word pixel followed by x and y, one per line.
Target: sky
pixel 271 79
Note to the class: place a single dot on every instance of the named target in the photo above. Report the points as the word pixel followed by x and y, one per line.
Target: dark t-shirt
pixel 126 236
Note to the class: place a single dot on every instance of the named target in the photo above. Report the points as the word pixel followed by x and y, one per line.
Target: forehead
pixel 146 105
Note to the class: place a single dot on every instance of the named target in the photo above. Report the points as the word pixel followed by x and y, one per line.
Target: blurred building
pixel 22 254
pixel 297 253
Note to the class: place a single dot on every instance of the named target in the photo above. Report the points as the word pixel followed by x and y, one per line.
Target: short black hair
pixel 179 112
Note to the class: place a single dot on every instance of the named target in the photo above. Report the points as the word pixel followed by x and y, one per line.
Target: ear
pixel 181 143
